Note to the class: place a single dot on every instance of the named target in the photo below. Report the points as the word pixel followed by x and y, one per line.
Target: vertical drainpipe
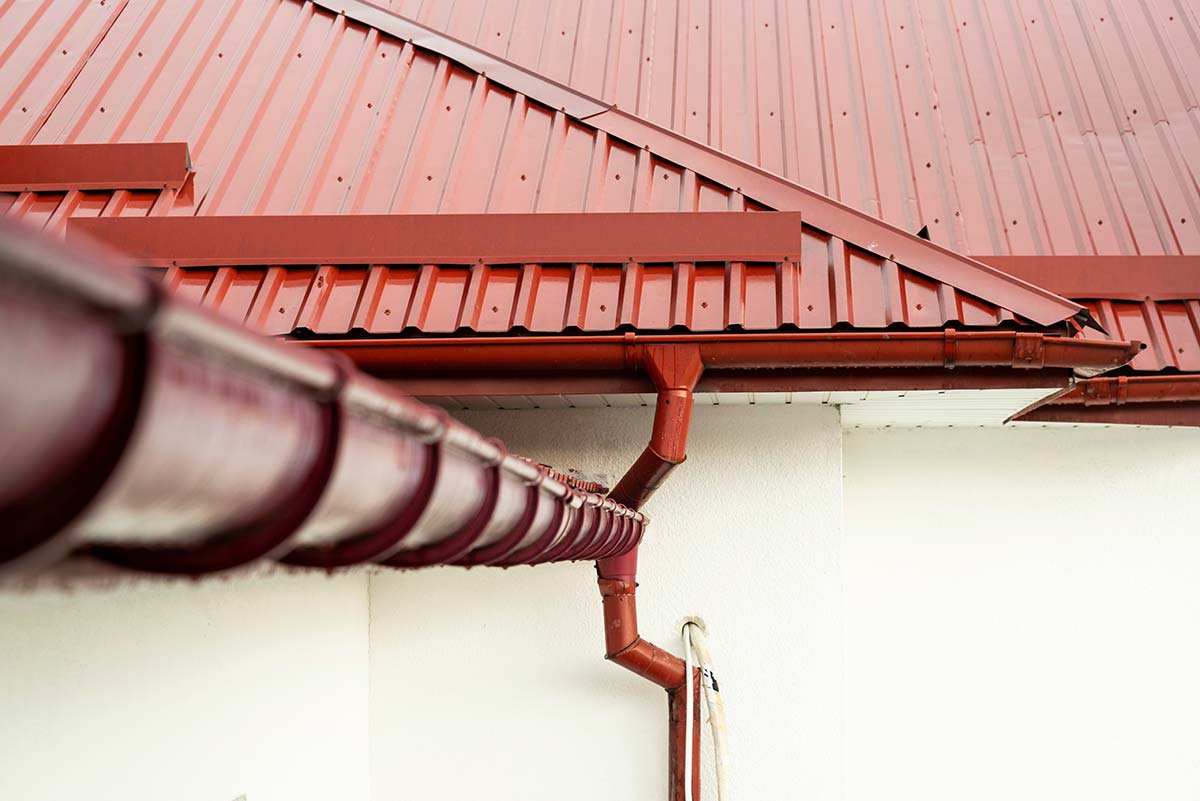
pixel 675 369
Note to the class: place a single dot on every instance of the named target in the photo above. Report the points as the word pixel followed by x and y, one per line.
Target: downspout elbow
pixel 623 644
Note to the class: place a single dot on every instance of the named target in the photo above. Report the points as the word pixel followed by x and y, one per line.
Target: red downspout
pixel 675 370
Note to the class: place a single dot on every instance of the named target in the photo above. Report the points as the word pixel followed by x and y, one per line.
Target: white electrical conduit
pixel 695 638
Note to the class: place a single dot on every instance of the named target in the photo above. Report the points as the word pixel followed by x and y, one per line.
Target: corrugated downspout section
pixel 158 438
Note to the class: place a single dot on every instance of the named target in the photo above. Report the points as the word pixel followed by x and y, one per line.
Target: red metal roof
pixel 547 273
pixel 290 108
pixel 1169 328
pixel 1007 128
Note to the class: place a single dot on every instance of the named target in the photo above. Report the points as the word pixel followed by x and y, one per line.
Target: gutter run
pixel 167 440
pixel 627 353
pixel 675 371
pixel 1167 400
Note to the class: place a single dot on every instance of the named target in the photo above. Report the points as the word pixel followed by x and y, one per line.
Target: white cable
pixel 687 742
pixel 698 639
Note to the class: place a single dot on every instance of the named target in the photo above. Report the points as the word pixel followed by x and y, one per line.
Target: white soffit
pixel 865 409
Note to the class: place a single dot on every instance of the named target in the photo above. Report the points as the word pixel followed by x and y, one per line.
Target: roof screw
pixel 387 312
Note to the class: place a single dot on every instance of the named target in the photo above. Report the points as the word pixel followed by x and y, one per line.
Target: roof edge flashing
pixel 506 73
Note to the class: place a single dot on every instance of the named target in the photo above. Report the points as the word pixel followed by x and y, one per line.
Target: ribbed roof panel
pixel 1007 128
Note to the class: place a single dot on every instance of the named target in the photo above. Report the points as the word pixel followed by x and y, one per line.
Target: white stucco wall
pixel 994 614
pixel 249 686
pixel 1022 614
pixel 492 684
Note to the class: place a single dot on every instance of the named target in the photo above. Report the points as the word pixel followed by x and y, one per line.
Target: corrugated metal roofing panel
pixel 865 288
pixel 1170 329
pixel 288 108
pixel 869 292
pixel 1007 128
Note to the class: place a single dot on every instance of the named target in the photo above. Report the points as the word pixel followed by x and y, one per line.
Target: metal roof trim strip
pixel 449 239
pixel 1135 278
pixel 123 165
pixel 506 73
pixel 1038 304
pixel 836 218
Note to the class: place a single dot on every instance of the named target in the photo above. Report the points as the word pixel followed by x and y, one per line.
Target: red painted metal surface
pixel 625 647
pixel 677 742
pixel 1172 400
pixel 1107 277
pixel 288 108
pixel 832 285
pixel 674 369
pixel 50 168
pixel 1148 414
pixel 1120 390
pixel 819 209
pixel 547 272
pixel 1170 329
pixel 461 142
pixel 450 239
pixel 525 383
pixel 390 125
pixel 166 440
pixel 748 351
pixel 1007 128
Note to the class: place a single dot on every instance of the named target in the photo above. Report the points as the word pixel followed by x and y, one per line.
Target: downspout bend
pixel 675 370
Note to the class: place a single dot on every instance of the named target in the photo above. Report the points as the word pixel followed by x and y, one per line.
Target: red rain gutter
pixel 674 370
pixel 164 439
pixel 1123 400
pixel 58 168
pixel 627 353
